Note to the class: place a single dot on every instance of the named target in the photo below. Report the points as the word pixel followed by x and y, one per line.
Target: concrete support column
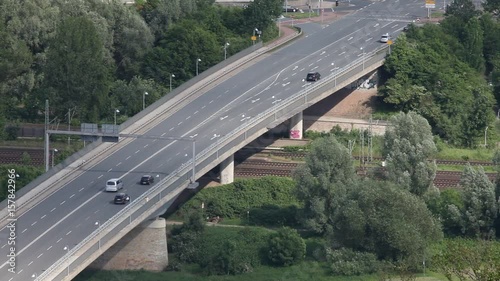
pixel 145 247
pixel 227 170
pixel 296 126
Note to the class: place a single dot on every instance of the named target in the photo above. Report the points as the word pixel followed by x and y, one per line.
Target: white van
pixel 114 185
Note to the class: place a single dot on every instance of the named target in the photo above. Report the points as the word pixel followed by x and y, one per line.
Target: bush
pixel 347 262
pixel 272 215
pixel 224 250
pixel 26 175
pixel 11 132
pixel 286 247
pixel 234 200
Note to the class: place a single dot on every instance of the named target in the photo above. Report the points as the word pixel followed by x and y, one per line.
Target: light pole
pixel 256 31
pixel 66 248
pixel 53 153
pixel 144 100
pixel 485 132
pixel 98 224
pixel 197 61
pixel 274 103
pixel 225 50
pixel 171 76
pixel 363 59
pixel 116 111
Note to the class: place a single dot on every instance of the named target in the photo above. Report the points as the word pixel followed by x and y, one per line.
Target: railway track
pixel 256 168
pixel 301 155
pixel 10 155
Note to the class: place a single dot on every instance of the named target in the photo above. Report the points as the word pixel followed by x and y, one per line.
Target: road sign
pixel 430 4
pixel 253 38
pixel 389 42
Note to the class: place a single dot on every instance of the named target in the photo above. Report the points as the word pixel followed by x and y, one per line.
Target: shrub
pixel 234 200
pixel 272 215
pixel 347 262
pixel 286 247
pixel 11 132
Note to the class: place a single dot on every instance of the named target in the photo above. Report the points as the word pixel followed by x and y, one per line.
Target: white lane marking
pixel 285 84
pixel 171 129
pixel 20 271
pixel 39 255
pixel 196 112
pixel 293 74
pixel 203 107
pixel 193 136
pixel 46 215
pixel 342 53
pixel 58 240
pixel 49 248
pixel 376 25
pixel 128 158
pixel 100 176
pixel 110 170
pixel 24 230
pixel 180 123
pixel 256 100
pixel 53 209
pixel 154 140
pixel 394 26
pixel 188 117
pixel 322 53
pixel 222 118
pixel 350 38
pixel 33 223
pixel 284 79
pixel 146 145
pixel 163 134
pixel 369 39
pixel 30 263
pixel 177 153
pixel 78 225
pixel 3 246
pixel 96 211
pixel 311 64
pixel 319 60
pixel 119 163
pixel 68 233
pixel 295 67
pixel 135 152
pixel 358 20
pixel 314 67
pixel 359 55
pixel 211 101
pixel 63 202
pixel 71 196
pixel 87 218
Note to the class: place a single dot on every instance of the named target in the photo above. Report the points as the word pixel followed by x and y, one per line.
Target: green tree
pixel 286 247
pixel 261 14
pixel 328 168
pixel 480 204
pixel 479 115
pixel 408 146
pixel 382 218
pixel 473 45
pixel 492 6
pixel 77 74
pixel 463 9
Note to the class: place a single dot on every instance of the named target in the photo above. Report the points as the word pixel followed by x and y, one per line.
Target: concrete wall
pixel 145 247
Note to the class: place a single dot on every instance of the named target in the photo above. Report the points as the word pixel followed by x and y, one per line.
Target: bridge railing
pixel 132 214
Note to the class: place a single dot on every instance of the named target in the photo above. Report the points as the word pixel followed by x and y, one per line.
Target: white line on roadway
pixel 146 145
pixel 369 39
pixel 311 64
pixel 119 163
pixel 30 263
pixel 49 248
pixel 24 230
pixel 342 53
pixel 196 112
pixel 63 202
pixel 127 158
pixel 211 101
pixel 58 240
pixel 68 233
pixel 293 74
pixel 72 196
pixel 110 170
pixel 46 215
pixel 350 38
pixel 135 152
pixel 171 129
pixel 33 223
pixel 20 271
pixel 302 69
pixel 179 123
pixel 100 176
pixel 39 255
pixel 319 60
pixel 54 209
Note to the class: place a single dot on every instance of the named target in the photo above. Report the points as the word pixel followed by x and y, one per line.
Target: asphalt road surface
pixel 44 233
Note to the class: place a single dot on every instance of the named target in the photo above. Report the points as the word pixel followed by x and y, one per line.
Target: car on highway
pixel 113 185
pixel 147 179
pixel 385 38
pixel 289 9
pixel 313 76
pixel 121 198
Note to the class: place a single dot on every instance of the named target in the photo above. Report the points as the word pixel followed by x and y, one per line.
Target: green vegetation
pixel 25 175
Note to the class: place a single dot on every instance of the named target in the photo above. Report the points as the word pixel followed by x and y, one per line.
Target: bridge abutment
pixel 297 126
pixel 145 247
pixel 227 170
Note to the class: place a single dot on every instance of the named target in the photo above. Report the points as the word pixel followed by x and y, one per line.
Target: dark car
pixel 313 76
pixel 122 198
pixel 289 9
pixel 147 179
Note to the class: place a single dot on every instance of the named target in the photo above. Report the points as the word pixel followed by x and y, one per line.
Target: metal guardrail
pixel 171 182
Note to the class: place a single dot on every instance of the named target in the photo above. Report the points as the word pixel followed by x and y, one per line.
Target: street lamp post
pixel 225 50
pixel 256 31
pixel 172 76
pixel 485 133
pixel 116 111
pixel 197 61
pixel 363 57
pixel 144 100
pixel 53 153
pixel 98 224
pixel 66 248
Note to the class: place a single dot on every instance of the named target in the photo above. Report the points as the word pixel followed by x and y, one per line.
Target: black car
pixel 147 179
pixel 313 76
pixel 289 9
pixel 122 198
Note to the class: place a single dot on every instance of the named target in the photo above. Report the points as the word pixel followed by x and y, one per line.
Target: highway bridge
pixel 64 220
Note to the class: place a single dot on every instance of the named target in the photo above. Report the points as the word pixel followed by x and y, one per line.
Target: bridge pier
pixel 227 170
pixel 145 247
pixel 296 126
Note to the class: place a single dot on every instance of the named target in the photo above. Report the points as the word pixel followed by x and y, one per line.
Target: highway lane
pixel 246 94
